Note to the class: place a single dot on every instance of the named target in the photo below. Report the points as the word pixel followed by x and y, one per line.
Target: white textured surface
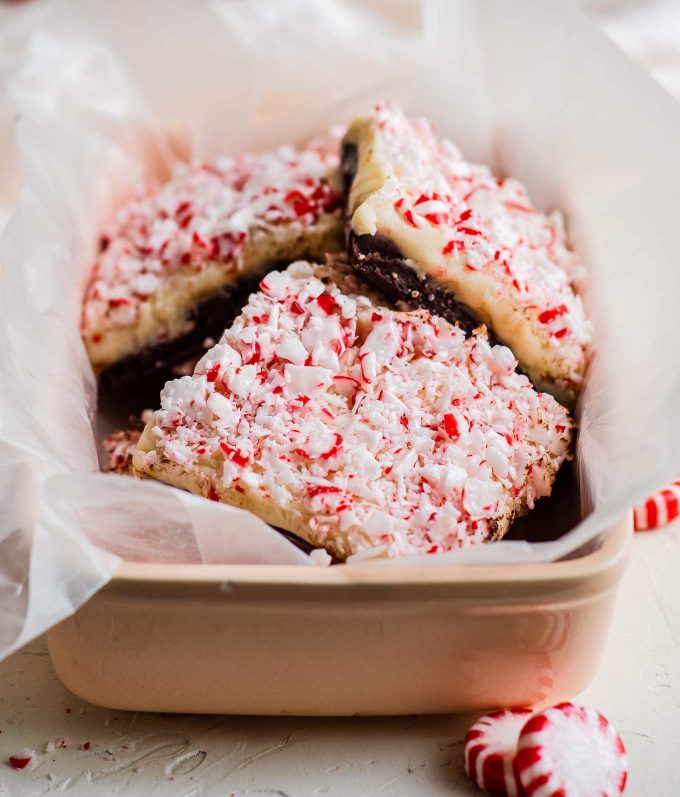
pixel 637 688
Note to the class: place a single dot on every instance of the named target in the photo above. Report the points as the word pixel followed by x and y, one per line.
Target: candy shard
pixel 22 758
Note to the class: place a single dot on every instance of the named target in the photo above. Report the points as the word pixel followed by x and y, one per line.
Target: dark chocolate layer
pixel 153 365
pixel 379 261
pixel 349 162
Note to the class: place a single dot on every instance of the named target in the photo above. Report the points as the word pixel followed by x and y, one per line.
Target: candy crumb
pixel 22 758
pixel 61 743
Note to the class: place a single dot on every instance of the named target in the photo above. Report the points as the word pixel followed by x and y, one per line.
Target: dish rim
pixel 168 577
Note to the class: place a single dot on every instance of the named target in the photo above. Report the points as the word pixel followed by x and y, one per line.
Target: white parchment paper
pixel 108 94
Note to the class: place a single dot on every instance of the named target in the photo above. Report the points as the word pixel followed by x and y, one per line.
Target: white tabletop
pixel 638 686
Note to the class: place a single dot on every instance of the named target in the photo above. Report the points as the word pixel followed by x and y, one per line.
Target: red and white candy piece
pixel 22 758
pixel 570 751
pixel 659 510
pixel 490 747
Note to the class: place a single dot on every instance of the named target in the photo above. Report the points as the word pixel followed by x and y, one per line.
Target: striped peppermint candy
pixel 570 751
pixel 490 747
pixel 659 510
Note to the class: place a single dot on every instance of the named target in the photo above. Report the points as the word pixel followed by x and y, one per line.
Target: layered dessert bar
pixel 427 226
pixel 370 431
pixel 179 261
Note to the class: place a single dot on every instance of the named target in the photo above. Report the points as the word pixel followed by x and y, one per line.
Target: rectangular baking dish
pixel 274 639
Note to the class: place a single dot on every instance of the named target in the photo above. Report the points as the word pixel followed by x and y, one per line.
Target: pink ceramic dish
pixel 274 639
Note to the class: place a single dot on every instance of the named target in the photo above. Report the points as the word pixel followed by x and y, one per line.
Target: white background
pixel 638 686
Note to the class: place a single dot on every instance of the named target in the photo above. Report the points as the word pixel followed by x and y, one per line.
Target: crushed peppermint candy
pixel 375 432
pixel 120 445
pixel 22 758
pixel 61 743
pixel 489 224
pixel 204 214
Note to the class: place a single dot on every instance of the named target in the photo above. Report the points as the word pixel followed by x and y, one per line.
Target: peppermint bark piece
pixel 428 227
pixel 370 432
pixel 178 262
